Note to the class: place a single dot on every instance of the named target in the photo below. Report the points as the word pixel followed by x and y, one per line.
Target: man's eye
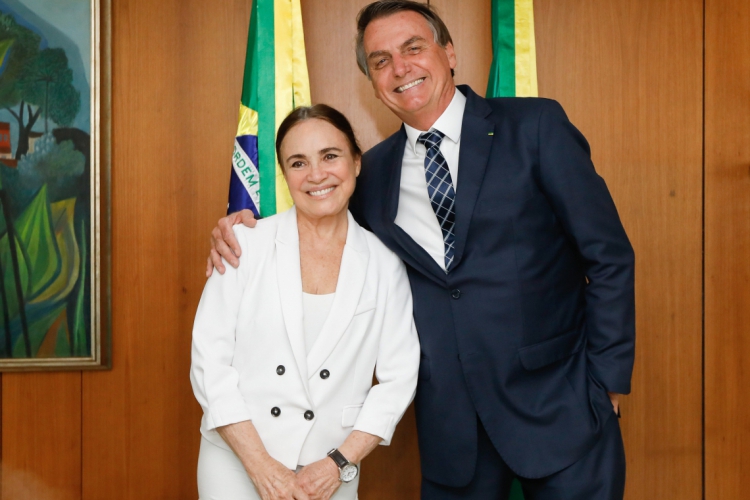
pixel 381 63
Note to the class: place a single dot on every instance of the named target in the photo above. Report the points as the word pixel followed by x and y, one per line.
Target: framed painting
pixel 54 184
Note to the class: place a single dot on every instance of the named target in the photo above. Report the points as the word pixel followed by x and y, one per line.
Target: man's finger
pixel 215 258
pixel 227 236
pixel 248 218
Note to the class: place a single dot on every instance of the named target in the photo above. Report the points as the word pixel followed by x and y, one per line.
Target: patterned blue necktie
pixel 440 189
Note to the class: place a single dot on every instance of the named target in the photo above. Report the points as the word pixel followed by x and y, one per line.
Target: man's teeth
pixel 322 191
pixel 409 85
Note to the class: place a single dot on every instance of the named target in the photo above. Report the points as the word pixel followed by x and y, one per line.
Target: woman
pixel 285 346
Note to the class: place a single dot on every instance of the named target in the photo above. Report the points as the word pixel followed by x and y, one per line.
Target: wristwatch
pixel 347 470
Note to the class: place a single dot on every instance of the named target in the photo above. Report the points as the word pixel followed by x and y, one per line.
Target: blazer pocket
pixel 547 352
pixel 364 307
pixel 349 415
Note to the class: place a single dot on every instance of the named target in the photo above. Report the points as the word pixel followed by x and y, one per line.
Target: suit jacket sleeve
pixel 584 206
pixel 214 379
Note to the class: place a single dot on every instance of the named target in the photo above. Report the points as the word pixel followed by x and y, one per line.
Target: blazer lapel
pixel 476 145
pixel 289 277
pixel 349 286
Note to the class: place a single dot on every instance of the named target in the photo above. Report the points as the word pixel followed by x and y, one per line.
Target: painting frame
pixel 100 242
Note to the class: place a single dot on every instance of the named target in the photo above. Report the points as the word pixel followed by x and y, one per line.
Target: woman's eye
pixel 297 164
pixel 331 156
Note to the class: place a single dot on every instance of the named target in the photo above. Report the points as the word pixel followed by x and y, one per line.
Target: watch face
pixel 348 472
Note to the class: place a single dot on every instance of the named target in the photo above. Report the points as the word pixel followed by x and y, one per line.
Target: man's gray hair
pixel 385 8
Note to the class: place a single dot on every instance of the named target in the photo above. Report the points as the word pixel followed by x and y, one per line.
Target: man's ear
pixel 358 167
pixel 451 53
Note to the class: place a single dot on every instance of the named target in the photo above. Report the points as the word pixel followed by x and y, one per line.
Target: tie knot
pixel 431 139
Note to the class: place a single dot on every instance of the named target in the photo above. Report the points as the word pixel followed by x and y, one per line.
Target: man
pixel 521 272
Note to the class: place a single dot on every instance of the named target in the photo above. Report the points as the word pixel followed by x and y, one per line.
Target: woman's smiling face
pixel 319 167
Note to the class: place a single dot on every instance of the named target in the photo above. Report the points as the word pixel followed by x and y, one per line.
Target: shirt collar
pixel 449 122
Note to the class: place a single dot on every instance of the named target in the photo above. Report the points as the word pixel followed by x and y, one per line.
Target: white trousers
pixel 221 476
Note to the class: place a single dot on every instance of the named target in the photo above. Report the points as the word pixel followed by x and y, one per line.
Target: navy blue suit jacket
pixel 535 320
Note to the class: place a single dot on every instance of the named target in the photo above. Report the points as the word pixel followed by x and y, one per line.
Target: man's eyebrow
pixel 411 40
pixel 378 53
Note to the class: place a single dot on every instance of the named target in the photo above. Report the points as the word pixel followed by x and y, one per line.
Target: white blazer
pixel 249 355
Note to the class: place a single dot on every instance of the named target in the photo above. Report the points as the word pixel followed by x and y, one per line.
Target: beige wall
pixel 630 75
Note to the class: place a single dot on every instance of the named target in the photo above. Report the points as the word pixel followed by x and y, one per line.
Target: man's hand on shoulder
pixel 224 243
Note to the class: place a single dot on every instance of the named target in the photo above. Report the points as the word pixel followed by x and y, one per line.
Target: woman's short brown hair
pixel 320 112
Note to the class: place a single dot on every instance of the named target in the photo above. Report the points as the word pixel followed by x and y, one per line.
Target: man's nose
pixel 400 66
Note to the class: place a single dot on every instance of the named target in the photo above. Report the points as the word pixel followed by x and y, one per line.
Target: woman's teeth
pixel 322 191
pixel 409 85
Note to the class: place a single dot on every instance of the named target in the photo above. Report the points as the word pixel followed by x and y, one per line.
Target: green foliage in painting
pixel 35 83
pixel 47 82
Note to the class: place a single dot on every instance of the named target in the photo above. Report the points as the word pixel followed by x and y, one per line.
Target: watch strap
pixel 338 458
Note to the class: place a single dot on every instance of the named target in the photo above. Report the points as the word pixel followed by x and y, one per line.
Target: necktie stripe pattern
pixel 440 189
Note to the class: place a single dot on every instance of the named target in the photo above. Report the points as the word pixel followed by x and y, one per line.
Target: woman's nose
pixel 317 173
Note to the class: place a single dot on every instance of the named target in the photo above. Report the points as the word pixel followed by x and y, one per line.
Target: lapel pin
pixel 491 133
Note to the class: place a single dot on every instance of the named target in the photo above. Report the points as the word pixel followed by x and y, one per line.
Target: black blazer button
pixel 275 411
pixel 309 415
pixel 280 370
pixel 325 374
pixel 456 293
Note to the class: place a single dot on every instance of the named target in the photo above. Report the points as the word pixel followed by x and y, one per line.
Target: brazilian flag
pixel 513 70
pixel 275 82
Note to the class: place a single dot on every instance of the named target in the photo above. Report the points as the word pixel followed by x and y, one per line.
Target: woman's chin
pixel 321 209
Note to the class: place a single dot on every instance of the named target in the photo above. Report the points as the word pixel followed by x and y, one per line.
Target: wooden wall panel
pixel 471 30
pixel 41 436
pixel 727 213
pixel 629 74
pixel 177 72
pixel 335 79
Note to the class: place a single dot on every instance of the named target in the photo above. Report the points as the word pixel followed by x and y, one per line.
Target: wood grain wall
pixel 630 76
pixel 727 214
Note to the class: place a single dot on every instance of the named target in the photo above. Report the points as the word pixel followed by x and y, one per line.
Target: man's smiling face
pixel 410 72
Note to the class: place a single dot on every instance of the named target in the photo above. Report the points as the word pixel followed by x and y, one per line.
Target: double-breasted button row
pixel 276 411
pixel 324 374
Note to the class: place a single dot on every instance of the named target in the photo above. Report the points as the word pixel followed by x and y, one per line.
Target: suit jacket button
pixel 280 370
pixel 309 415
pixel 275 411
pixel 325 374
pixel 456 293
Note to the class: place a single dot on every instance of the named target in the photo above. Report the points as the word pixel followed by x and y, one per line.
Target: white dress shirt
pixel 415 213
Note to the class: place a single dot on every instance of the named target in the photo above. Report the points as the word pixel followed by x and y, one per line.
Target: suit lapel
pixel 349 286
pixel 409 250
pixel 289 277
pixel 476 145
